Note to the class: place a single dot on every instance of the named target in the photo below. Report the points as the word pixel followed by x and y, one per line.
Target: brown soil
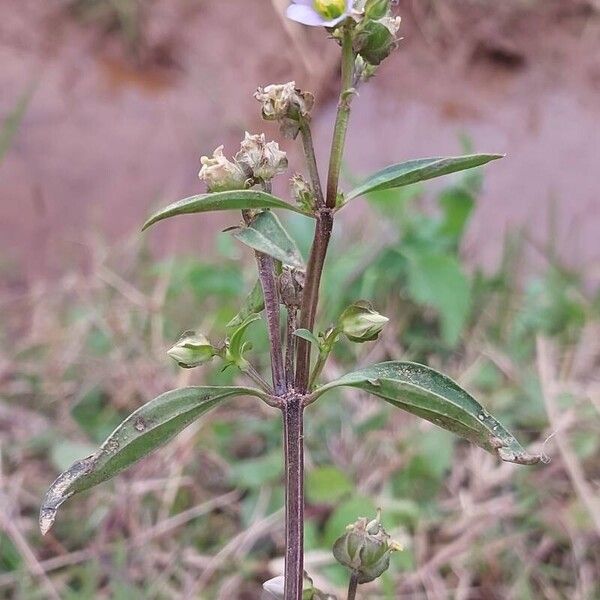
pixel 116 127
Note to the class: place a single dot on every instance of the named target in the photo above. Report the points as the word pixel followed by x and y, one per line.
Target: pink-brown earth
pixel 116 127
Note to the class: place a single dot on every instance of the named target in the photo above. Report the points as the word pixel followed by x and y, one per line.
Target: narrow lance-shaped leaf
pixel 145 430
pixel 421 169
pixel 267 235
pixel 430 395
pixel 231 200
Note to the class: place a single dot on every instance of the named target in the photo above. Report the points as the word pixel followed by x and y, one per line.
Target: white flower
pixel 220 173
pixel 320 13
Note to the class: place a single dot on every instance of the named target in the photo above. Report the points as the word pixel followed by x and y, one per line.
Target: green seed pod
pixel 375 40
pixel 360 323
pixel 365 549
pixel 191 350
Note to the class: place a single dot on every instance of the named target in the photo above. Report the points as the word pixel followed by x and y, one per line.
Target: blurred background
pixel 106 107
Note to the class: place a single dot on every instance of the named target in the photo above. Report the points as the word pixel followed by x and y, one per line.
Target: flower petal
pixel 305 15
pixel 307 2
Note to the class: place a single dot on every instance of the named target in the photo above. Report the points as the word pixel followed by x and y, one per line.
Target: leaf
pixel 419 170
pixel 434 397
pixel 253 304
pixel 232 200
pixel 267 235
pixel 145 430
pixel 236 340
pixel 438 280
pixel 327 485
pixel 309 336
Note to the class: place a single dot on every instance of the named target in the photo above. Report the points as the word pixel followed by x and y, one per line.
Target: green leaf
pixel 236 340
pixel 309 336
pixel 253 304
pixel 232 200
pixel 267 235
pixel 438 280
pixel 327 484
pixel 145 430
pixel 419 170
pixel 434 397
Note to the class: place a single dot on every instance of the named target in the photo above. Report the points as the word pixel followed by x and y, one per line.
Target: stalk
pixel 353 586
pixel 294 404
pixel 324 214
pixel 294 496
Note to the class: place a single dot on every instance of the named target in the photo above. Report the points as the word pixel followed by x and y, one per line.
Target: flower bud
pixel 302 193
pixel 360 323
pixel 376 9
pixel 285 103
pixel 191 350
pixel 365 548
pixel 260 160
pixel 221 174
pixel 330 9
pixel 375 37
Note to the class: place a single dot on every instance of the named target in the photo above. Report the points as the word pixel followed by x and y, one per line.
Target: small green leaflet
pixel 145 430
pixel 434 397
pixel 253 304
pixel 267 235
pixel 232 200
pixel 421 169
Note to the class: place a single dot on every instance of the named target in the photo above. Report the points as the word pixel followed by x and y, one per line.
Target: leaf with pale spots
pixel 232 200
pixel 145 430
pixel 434 397
pixel 422 169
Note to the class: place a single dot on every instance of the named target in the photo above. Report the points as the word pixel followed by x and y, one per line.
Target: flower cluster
pixel 257 161
pixel 286 104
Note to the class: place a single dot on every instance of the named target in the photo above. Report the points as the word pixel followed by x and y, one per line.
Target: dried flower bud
pixel 191 350
pixel 220 173
pixel 360 323
pixel 302 193
pixel 285 103
pixel 291 284
pixel 365 548
pixel 259 159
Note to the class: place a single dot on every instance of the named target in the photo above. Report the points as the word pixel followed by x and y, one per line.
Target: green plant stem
pixel 341 123
pixel 318 368
pixel 311 161
pixel 324 216
pixel 352 587
pixel 253 374
pixel 310 294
